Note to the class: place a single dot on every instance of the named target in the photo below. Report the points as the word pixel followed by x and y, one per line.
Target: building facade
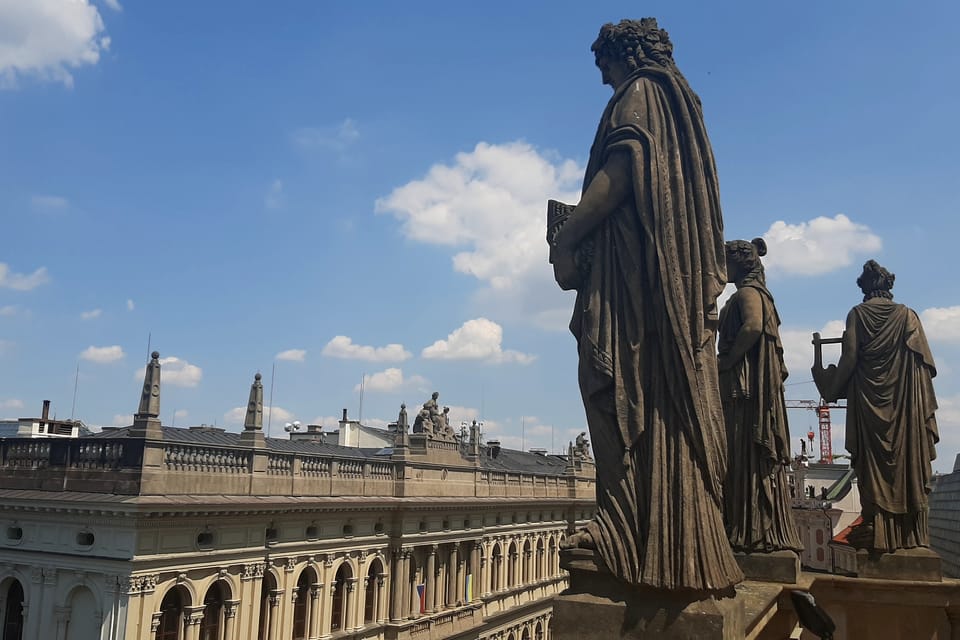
pixel 151 532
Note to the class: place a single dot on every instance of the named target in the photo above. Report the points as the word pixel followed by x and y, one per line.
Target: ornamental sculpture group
pixel 685 405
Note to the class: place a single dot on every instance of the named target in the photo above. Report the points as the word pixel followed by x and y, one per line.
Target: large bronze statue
pixel 644 249
pixel 886 374
pixel 757 498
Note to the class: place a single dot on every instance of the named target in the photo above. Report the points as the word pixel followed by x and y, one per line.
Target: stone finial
pixel 150 396
pixel 254 419
pixel 146 422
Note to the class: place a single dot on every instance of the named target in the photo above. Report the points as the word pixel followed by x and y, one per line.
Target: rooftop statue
pixel 644 250
pixel 886 374
pixel 757 501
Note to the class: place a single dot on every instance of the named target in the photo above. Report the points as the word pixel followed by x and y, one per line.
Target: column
pixel 413 597
pixel 485 571
pixel 276 596
pixel 461 576
pixel 230 619
pixel 405 584
pixel 395 590
pixel 380 611
pixel 431 579
pixel 313 621
pixel 452 577
pixel 350 605
pixel 476 563
pixel 192 617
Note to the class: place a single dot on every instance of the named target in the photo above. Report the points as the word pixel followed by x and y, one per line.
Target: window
pixel 338 612
pixel 301 605
pixel 212 612
pixel 171 615
pixel 14 533
pixel 312 532
pixel 85 539
pixel 13 612
pixel 205 540
pixel 370 594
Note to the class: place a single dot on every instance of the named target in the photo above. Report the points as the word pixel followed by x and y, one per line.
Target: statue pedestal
pixel 920 564
pixel 597 605
pixel 776 566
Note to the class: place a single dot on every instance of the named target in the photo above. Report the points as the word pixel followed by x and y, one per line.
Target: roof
pixel 513 460
pixel 222 438
pixel 841 537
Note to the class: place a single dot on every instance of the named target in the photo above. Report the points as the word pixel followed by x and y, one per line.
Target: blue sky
pixel 358 191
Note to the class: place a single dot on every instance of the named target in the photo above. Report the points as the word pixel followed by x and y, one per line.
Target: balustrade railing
pixel 189 457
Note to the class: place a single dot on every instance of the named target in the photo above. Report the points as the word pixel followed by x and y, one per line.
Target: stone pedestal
pixel 776 566
pixel 903 564
pixel 597 605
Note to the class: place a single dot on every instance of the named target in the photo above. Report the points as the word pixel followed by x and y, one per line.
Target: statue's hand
pixel 565 270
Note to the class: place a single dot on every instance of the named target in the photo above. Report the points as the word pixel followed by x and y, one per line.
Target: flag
pixel 422 594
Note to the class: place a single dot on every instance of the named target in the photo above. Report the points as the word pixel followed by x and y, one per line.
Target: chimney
pixel 344 418
pixel 46 412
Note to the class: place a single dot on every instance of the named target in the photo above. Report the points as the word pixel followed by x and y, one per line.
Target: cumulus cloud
pixel 175 372
pixel 818 246
pixel 478 339
pixel 344 348
pixel 122 420
pixel 90 315
pixel 942 324
pixel 391 379
pixel 335 138
pixel 102 355
pixel 292 355
pixel 48 204
pixel 22 281
pixel 46 39
pixel 488 207
pixel 113 4
pixel 273 415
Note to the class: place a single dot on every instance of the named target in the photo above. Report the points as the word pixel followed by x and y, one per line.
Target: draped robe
pixel 645 322
pixel 758 506
pixel 891 424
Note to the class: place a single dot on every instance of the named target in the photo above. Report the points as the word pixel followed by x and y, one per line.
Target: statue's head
pixel 743 258
pixel 435 395
pixel 875 281
pixel 632 43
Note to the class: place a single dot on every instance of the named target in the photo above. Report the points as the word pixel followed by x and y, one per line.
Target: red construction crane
pixel 823 418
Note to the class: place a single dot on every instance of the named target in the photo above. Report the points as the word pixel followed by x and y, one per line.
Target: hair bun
pixel 761 246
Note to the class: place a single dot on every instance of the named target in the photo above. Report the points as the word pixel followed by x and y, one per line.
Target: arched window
pixel 525 563
pixel 526 634
pixel 171 614
pixel 538 632
pixel 552 558
pixel 496 562
pixel 339 610
pixel 512 566
pixel 13 612
pixel 268 585
pixel 302 604
pixel 83 622
pixel 540 573
pixel 371 592
pixel 212 621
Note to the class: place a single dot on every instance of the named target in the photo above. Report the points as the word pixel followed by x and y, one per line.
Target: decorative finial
pixel 150 396
pixel 254 418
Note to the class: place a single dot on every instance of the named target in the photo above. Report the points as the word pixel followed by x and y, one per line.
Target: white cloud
pixel 179 373
pixel 47 203
pixel 46 39
pixel 798 349
pixel 181 413
pixel 344 348
pixel 327 422
pixel 489 206
pixel 942 324
pixel 90 315
pixel 10 404
pixel 336 138
pixel 21 281
pixel 113 4
pixel 130 305
pixel 292 355
pixel 274 198
pixel 175 372
pixel 122 420
pixel 818 246
pixel 273 415
pixel 478 339
pixel 102 355
pixel 8 311
pixel 391 379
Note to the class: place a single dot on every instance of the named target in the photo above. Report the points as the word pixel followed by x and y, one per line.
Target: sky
pixel 353 197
